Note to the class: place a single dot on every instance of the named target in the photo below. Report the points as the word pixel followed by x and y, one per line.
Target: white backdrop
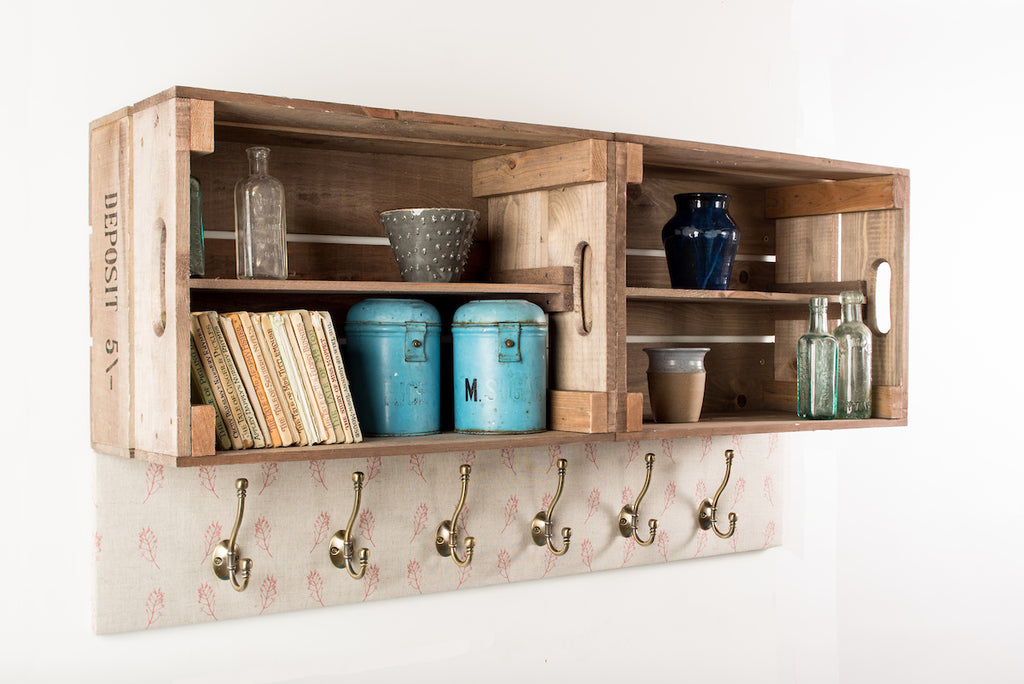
pixel 902 560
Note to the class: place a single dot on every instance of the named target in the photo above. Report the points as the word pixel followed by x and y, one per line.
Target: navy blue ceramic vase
pixel 700 242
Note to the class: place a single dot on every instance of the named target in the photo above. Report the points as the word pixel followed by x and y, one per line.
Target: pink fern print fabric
pixel 157 526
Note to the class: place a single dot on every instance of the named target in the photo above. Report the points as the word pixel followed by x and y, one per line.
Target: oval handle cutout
pixel 581 288
pixel 160 306
pixel 881 319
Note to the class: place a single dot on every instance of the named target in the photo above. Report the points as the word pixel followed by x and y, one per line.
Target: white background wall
pixel 903 557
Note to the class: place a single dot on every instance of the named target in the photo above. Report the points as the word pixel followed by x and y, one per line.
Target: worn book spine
pixel 238 345
pixel 221 399
pixel 315 393
pixel 332 340
pixel 320 361
pixel 280 328
pixel 202 386
pixel 265 331
pixel 317 321
pixel 229 376
pixel 263 371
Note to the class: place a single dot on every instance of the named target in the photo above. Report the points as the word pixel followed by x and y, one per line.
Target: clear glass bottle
pixel 816 359
pixel 853 393
pixel 260 228
pixel 196 242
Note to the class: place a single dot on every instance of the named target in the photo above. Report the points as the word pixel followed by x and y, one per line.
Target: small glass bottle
pixel 853 394
pixel 260 228
pixel 196 243
pixel 816 358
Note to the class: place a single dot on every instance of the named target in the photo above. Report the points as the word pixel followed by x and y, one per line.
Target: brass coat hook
pixel 541 529
pixel 226 562
pixel 447 537
pixel 341 542
pixel 629 516
pixel 708 511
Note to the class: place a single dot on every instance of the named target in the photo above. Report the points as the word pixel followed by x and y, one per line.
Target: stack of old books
pixel 276 379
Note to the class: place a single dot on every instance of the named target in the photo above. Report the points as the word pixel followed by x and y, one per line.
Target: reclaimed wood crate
pixel 570 219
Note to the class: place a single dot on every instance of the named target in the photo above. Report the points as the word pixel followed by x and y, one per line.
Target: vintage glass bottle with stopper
pixel 816 359
pixel 260 227
pixel 853 393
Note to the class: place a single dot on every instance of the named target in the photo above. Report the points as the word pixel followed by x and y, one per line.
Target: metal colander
pixel 431 245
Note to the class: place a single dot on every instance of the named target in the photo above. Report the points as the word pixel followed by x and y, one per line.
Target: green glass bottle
pixel 853 393
pixel 816 359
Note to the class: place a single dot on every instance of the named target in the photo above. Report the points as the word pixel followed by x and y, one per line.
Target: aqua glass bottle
pixel 196 242
pixel 260 226
pixel 816 359
pixel 853 393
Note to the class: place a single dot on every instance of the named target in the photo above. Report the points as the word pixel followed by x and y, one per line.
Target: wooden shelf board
pixel 558 297
pixel 725 424
pixel 379 446
pixel 746 424
pixel 739 296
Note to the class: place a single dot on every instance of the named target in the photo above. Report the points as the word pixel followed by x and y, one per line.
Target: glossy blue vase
pixel 700 242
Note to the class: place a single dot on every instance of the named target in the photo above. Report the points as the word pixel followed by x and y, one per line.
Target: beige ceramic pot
pixel 675 379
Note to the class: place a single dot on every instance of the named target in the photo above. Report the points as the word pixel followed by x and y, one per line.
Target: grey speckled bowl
pixel 431 245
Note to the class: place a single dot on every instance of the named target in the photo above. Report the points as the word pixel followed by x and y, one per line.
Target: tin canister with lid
pixel 500 367
pixel 393 349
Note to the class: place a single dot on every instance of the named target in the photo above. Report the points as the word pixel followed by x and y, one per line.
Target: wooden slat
pixel 446 442
pixel 201 126
pixel 634 162
pixel 868 238
pixel 555 297
pixel 753 423
pixel 746 163
pixel 735 296
pixel 561 275
pixel 110 188
pixel 835 197
pixel 808 250
pixel 578 411
pixel 652 272
pixel 887 402
pixel 585 161
pixel 160 243
pixel 581 360
pixel 822 289
pixel 623 412
pixel 333 261
pixel 703 317
pixel 203 426
pixel 378 123
pixel 634 411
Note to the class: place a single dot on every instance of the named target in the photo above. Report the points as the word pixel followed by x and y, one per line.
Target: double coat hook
pixel 629 516
pixel 707 514
pixel 447 537
pixel 227 564
pixel 542 522
pixel 341 543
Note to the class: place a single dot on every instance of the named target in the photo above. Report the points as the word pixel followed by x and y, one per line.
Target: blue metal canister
pixel 393 350
pixel 500 367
